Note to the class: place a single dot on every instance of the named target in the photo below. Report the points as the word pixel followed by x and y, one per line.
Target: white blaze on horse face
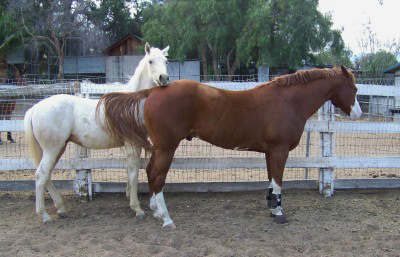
pixel 355 110
pixel 157 65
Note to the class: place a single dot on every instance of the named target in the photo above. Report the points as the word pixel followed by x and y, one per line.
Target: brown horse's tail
pixel 121 117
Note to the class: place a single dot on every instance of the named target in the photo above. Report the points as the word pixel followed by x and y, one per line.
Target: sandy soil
pixel 352 223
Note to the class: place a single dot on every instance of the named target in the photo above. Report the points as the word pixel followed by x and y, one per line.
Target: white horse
pixel 57 120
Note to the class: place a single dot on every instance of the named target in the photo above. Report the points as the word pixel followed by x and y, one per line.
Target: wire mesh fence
pixel 15 100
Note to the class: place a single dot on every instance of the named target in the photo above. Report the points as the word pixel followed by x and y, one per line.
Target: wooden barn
pixel 119 61
pixel 128 45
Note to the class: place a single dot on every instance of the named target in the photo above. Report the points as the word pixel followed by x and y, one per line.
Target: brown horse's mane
pixel 121 117
pixel 305 76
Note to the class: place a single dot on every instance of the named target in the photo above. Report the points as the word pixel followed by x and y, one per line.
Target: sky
pixel 352 15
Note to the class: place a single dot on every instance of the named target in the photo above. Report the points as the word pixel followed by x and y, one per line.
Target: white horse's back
pixel 73 119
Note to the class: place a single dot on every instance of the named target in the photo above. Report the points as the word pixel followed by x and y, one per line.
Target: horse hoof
pixel 47 220
pixel 280 219
pixel 140 215
pixel 62 214
pixel 170 226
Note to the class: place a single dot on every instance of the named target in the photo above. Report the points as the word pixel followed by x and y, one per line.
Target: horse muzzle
pixel 355 111
pixel 163 80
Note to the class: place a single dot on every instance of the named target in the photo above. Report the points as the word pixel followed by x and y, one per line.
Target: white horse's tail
pixel 34 147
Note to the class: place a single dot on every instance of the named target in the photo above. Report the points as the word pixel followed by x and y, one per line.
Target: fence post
pixel 308 141
pixel 326 147
pixel 83 178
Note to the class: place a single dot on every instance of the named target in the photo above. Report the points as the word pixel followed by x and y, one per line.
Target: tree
pixel 10 38
pixel 375 55
pixel 114 18
pixel 288 33
pixel 179 24
pixel 235 32
pixel 51 22
pixel 372 65
pixel 208 28
pixel 336 59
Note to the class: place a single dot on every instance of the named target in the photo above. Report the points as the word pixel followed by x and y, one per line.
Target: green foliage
pixel 10 37
pixel 287 33
pixel 372 65
pixel 223 34
pixel 266 32
pixel 336 59
pixel 114 17
pixel 177 24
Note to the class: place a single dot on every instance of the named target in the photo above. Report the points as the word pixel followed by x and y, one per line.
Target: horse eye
pixel 150 61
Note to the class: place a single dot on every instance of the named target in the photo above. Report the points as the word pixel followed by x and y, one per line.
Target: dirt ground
pixel 352 223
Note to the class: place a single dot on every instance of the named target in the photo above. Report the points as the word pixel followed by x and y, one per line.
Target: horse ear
pixel 165 51
pixel 147 48
pixel 345 71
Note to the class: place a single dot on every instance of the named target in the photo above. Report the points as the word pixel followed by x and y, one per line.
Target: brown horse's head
pixel 345 96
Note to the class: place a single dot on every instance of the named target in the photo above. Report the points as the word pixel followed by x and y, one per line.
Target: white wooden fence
pixel 326 162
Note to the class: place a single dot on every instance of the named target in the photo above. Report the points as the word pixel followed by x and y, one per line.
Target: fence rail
pixel 326 162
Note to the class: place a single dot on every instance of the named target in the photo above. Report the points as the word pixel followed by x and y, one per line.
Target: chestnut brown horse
pixel 269 119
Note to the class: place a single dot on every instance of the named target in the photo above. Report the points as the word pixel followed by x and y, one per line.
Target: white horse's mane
pixel 133 83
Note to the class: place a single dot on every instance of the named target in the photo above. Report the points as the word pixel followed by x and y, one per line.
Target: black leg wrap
pixel 278 199
pixel 281 218
pixel 269 198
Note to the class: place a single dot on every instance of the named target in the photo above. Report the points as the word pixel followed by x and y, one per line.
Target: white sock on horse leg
pixel 276 189
pixel 153 202
pixel 162 209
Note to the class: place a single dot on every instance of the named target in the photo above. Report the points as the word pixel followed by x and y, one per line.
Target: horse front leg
pixel 269 197
pixel 276 164
pixel 133 165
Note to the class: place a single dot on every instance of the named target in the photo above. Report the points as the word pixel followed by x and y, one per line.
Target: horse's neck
pixel 311 97
pixel 140 80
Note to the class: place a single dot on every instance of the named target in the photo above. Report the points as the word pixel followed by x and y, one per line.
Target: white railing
pixel 326 162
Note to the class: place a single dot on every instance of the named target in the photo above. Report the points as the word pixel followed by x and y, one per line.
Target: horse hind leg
pixel 55 195
pixel 43 174
pixel 150 178
pixel 133 164
pixel 162 162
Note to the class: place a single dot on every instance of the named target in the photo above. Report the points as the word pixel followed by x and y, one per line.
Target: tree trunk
pixel 61 67
pixel 60 75
pixel 214 61
pixel 204 62
pixel 231 69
